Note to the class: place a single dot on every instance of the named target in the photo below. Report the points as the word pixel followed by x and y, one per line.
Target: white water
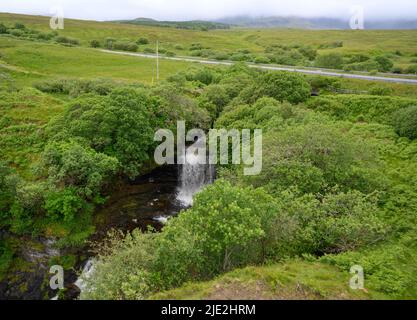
pixel 194 176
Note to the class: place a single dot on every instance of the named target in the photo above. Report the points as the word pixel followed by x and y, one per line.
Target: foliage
pixel 284 86
pixel 142 41
pixel 70 164
pixel 330 60
pixel 349 107
pixel 405 122
pixel 120 126
pixel 95 44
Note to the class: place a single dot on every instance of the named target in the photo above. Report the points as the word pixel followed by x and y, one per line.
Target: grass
pixel 255 40
pixel 43 60
pixel 295 279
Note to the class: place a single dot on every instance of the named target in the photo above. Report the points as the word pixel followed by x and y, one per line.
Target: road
pixel 273 68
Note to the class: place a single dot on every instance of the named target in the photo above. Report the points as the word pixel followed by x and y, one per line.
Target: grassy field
pixel 293 280
pixel 254 40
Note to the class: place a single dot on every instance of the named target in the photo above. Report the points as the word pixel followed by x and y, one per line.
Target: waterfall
pixel 193 177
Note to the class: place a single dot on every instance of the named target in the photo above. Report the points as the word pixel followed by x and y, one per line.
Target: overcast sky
pixel 211 9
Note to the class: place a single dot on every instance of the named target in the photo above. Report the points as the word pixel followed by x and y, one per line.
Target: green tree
pixel 284 86
pixel 405 122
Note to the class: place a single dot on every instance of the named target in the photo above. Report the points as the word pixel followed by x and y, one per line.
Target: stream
pixel 150 200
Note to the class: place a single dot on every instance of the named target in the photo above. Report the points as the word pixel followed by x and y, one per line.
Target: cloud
pixel 212 9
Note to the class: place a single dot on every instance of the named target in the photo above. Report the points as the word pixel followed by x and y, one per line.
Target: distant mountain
pixel 192 25
pixel 312 23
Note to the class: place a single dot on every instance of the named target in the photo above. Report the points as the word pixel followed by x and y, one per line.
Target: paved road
pixel 272 67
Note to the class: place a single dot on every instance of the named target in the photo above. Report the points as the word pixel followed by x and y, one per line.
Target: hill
pixel 189 25
pixel 314 23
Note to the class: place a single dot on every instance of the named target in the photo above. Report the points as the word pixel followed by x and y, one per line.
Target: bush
pixel 405 122
pixel 316 157
pixel 125 46
pixel 284 86
pixel 349 107
pixel 142 41
pixel 330 61
pixel 108 43
pixel 63 204
pixel 72 165
pixel 17 32
pixel 76 88
pixel 412 69
pixel 120 125
pixel 260 59
pixel 95 44
pixel 385 64
pixel 332 45
pixel 8 184
pixel 3 28
pixel 369 65
pixel 223 230
pixel 20 26
pixel 149 50
pixel 66 40
pixel 381 91
pixel 122 270
pixel 339 222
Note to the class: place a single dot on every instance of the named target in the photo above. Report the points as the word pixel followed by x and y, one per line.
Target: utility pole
pixel 157 60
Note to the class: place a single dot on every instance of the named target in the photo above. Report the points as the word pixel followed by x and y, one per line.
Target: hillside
pixel 314 23
pixel 189 25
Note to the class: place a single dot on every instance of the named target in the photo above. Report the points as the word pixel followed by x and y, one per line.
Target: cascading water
pixel 193 177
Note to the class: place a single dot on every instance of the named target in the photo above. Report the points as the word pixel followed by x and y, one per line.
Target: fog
pixel 212 9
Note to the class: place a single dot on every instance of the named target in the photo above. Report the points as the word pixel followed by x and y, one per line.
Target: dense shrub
pixel 142 41
pixel 3 28
pixel 19 26
pixel 95 44
pixel 149 50
pixel 75 87
pixel 330 61
pixel 125 46
pixel 331 45
pixel 369 65
pixel 17 32
pixel 385 64
pixel 284 86
pixel 8 183
pixel 67 40
pixel 336 223
pixel 216 95
pixel 109 42
pixel 120 125
pixel 412 69
pixel 372 108
pixel 389 268
pixel 308 52
pixel 70 164
pixel 315 157
pixel 405 122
